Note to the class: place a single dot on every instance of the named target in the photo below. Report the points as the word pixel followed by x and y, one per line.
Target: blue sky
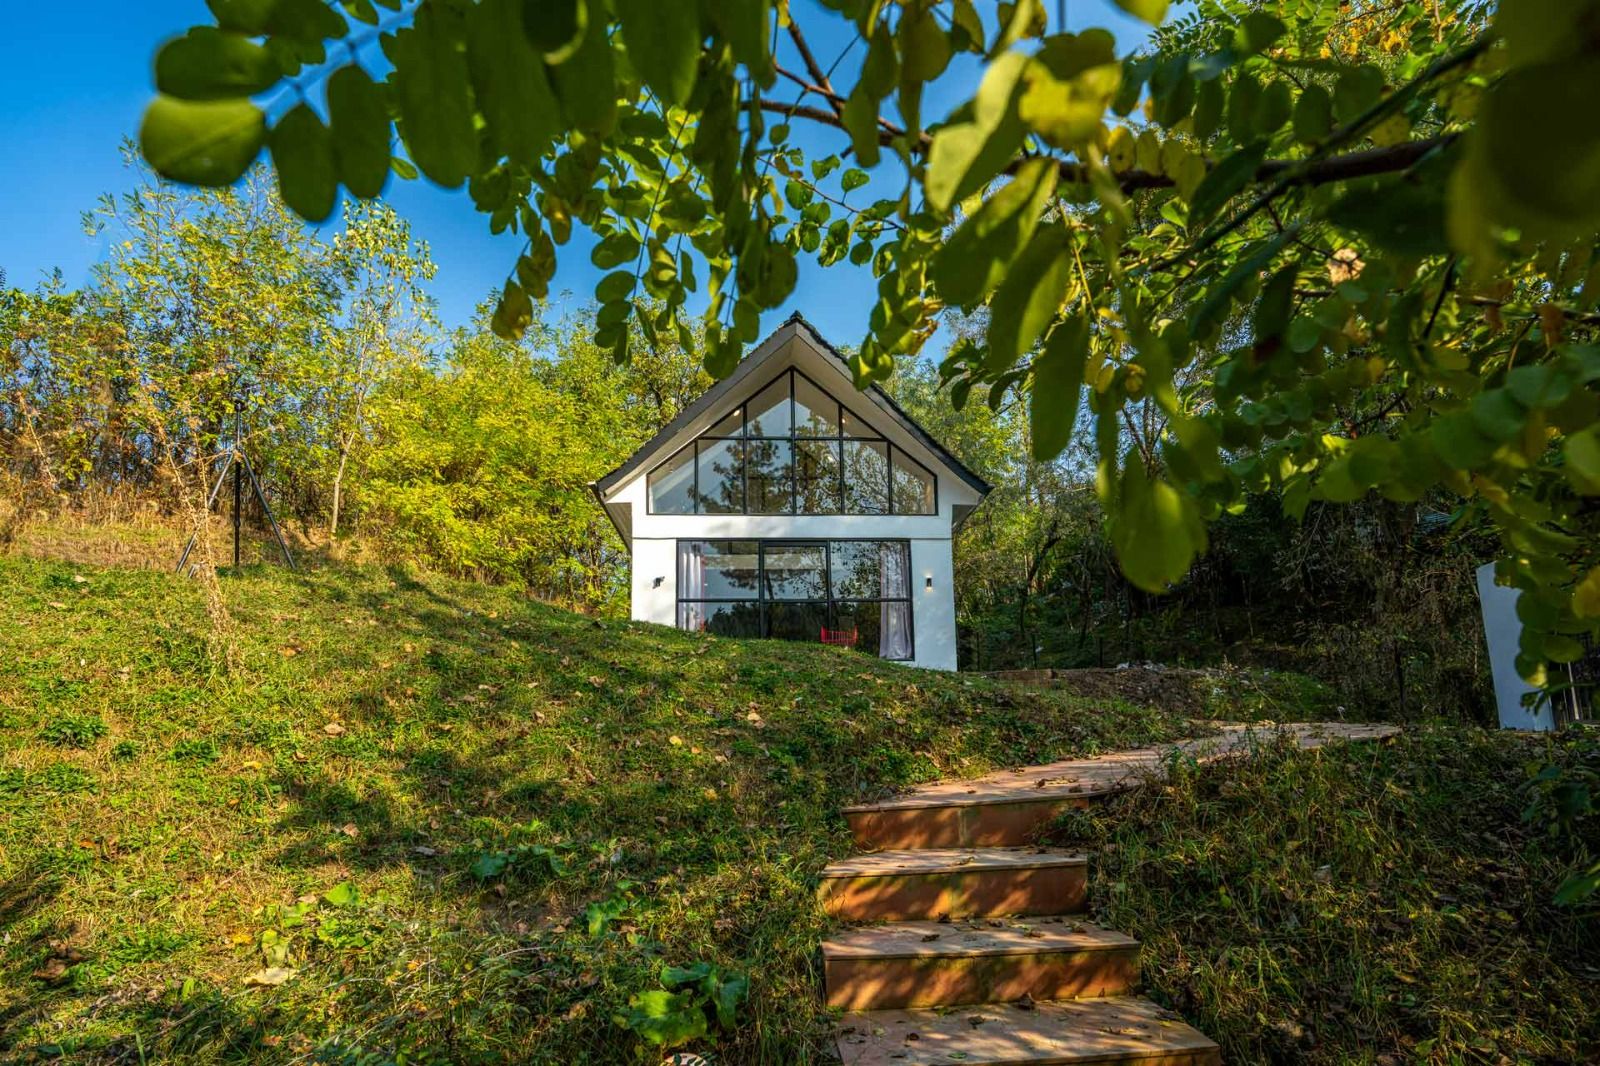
pixel 76 81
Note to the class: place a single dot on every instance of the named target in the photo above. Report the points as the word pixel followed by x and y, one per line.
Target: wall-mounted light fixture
pixel 929 582
pixel 657 582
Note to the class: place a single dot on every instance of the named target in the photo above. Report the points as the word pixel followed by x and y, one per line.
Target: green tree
pixel 1329 248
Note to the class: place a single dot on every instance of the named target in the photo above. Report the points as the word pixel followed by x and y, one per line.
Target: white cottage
pixel 785 503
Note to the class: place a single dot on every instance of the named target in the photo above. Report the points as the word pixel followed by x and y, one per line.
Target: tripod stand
pixel 238 461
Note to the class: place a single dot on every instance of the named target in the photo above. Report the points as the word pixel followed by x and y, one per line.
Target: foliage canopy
pixel 1336 247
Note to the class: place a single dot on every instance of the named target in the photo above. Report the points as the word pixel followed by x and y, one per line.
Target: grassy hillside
pixel 1374 903
pixel 454 824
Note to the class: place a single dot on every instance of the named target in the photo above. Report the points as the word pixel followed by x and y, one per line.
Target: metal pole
pixel 238 486
pixel 266 508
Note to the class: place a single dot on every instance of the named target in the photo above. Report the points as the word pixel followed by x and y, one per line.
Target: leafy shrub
pixel 689 1002
pixel 73 730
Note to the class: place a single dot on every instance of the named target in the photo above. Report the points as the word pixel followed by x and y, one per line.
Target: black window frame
pixel 891 449
pixel 829 601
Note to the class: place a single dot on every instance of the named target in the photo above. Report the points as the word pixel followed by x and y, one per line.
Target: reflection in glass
pixel 913 486
pixel 852 594
pixel 816 414
pixel 770 414
pixel 866 477
pixel 723 619
pixel 721 465
pixel 796 571
pixel 797 621
pixel 771 477
pixel 816 472
pixel 671 484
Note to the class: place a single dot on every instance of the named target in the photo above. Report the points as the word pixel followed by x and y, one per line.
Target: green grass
pixel 1365 903
pixel 464 827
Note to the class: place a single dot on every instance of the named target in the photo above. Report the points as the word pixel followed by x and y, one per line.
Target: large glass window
pixel 850 593
pixel 792 449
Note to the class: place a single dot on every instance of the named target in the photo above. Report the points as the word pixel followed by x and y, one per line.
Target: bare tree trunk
pixel 338 486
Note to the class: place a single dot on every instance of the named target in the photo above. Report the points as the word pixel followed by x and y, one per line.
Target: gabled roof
pixel 774 343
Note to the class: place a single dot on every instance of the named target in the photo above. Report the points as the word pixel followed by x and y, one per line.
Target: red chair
pixel 843 638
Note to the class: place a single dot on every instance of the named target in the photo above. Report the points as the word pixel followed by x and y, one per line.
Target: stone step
pixel 889 886
pixel 1011 807
pixel 1126 1030
pixel 929 963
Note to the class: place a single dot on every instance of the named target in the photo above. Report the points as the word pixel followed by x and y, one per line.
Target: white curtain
pixel 894 619
pixel 691 584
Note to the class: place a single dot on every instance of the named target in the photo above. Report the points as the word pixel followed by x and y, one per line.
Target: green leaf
pixel 1029 297
pixel 1313 114
pixel 305 20
pixel 1397 215
pixel 211 64
pixel 435 101
pixel 726 997
pixel 1208 105
pixel 924 45
pixel 969 265
pixel 1257 32
pixel 617 285
pixel 1247 268
pixel 747 25
pixel 1541 143
pixel 616 249
pixel 1356 91
pixel 302 154
pixel 665 1019
pixel 513 313
pixel 555 27
pixel 676 976
pixel 1223 182
pixel 1152 11
pixel 1458 442
pixel 1581 453
pixel 853 179
pixel 1275 306
pixel 1068 86
pixel 343 894
pixel 509 82
pixel 1057 388
pixel 1274 108
pixel 977 143
pixel 585 83
pixel 664 45
pixel 246 16
pixel 1497 415
pixel 1540 385
pixel 1156 530
pixel 359 124
pixel 1244 97
pixel 490 864
pixel 202 143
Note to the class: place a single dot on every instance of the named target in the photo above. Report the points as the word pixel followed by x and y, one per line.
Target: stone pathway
pixel 986 960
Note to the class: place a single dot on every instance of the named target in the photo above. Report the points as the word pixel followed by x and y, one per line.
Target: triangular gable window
pixel 792 449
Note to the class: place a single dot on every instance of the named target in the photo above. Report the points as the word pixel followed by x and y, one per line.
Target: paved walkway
pixel 1121 770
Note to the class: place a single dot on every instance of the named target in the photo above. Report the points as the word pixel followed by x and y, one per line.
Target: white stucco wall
pixel 1502 631
pixel 654 537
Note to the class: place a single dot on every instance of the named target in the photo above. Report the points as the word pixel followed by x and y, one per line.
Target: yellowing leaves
pixel 1586 596
pixel 1068 85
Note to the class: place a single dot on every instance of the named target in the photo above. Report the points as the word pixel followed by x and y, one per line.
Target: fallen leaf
pixel 333 729
pixel 52 971
pixel 271 977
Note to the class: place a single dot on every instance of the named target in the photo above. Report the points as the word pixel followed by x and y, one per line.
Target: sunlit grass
pixel 160 818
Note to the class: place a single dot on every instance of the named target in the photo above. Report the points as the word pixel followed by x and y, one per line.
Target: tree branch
pixel 818 75
pixel 1363 164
